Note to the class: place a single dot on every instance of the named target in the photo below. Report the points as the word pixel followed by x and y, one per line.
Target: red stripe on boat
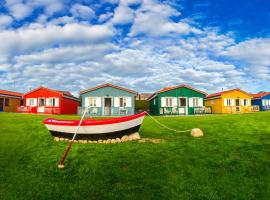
pixel 90 122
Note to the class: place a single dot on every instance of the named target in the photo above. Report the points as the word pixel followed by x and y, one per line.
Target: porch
pixel 241 109
pixel 183 110
pixel 38 110
pixel 106 111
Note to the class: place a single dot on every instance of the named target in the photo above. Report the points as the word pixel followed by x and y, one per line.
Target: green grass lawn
pixel 232 161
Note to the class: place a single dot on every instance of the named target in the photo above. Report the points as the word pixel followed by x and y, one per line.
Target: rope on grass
pixel 164 126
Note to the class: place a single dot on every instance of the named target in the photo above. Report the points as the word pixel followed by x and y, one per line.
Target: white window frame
pixel 229 102
pixel 92 102
pixel 51 102
pixel 124 102
pixel 31 102
pixel 245 102
pixel 196 101
pixel 169 102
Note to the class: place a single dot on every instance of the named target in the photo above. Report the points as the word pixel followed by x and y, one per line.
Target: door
pixel 1 104
pixel 237 104
pixel 107 106
pixel 183 105
pixel 41 104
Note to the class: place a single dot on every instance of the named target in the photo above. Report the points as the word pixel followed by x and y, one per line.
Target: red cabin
pixel 48 101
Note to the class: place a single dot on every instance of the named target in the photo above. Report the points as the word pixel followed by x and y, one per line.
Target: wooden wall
pixel 13 104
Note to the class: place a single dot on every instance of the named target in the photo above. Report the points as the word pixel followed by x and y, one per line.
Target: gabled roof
pixel 108 85
pixel 145 95
pixel 174 87
pixel 63 93
pixel 260 95
pixel 10 93
pixel 218 94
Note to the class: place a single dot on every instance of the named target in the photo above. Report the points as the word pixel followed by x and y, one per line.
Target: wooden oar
pixel 61 163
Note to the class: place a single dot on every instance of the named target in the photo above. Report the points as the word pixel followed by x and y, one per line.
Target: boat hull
pixel 95 129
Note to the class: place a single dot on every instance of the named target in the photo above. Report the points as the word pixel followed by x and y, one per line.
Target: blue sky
pixel 144 45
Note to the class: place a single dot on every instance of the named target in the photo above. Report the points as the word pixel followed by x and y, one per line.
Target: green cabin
pixel 108 100
pixel 177 100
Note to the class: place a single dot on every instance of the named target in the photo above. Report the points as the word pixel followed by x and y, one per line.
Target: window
pixel 245 102
pixel 122 102
pixel 229 102
pixel 31 102
pixel 7 102
pixel 196 102
pixel 51 102
pixel 168 102
pixel 93 102
pixel 265 102
pixel 154 101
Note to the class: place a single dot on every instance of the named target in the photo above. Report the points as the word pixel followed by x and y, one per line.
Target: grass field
pixel 232 161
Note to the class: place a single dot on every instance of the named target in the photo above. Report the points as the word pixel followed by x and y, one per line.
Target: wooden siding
pixel 178 92
pixel 109 92
pixel 259 102
pixel 218 106
pixel 13 104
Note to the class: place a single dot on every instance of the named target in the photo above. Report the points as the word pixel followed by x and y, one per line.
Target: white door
pixel 183 106
pixel 41 105
pixel 107 106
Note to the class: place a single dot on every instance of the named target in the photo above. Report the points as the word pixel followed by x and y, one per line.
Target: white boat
pixel 95 129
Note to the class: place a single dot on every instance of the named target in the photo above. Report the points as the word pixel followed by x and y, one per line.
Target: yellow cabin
pixel 230 101
pixel 9 101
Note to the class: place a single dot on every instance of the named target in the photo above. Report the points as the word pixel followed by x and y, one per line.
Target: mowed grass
pixel 231 161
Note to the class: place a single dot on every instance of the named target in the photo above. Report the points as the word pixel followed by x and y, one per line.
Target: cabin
pixel 177 100
pixel 261 99
pixel 108 100
pixel 230 101
pixel 9 101
pixel 49 101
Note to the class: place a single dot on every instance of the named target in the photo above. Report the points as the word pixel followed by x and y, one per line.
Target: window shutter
pixel 128 101
pixel 35 102
pixel 200 101
pixel 27 102
pixel 56 102
pixel 174 102
pixel 116 102
pixel 86 101
pixel 98 101
pixel 47 102
pixel 225 102
pixel 233 102
pixel 163 101
pixel 190 102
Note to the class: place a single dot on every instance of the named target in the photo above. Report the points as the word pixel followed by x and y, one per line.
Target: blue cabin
pixel 262 100
pixel 108 100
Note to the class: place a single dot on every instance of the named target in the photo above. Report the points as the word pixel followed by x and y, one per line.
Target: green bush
pixel 141 105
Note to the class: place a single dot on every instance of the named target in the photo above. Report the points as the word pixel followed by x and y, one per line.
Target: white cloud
pixel 104 17
pixel 31 39
pixel 20 11
pixel 62 20
pixel 153 19
pixel 62 55
pixel 81 11
pixel 5 21
pixel 123 14
pixel 253 51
